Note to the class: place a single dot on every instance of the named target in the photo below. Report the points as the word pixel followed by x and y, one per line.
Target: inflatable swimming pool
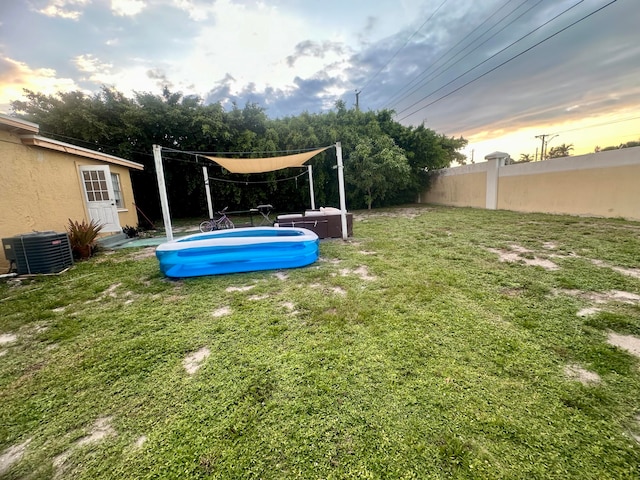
pixel 237 250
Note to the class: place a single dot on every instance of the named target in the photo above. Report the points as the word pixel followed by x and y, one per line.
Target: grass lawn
pixel 436 343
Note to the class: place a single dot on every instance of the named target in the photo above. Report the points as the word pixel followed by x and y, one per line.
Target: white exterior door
pixel 98 191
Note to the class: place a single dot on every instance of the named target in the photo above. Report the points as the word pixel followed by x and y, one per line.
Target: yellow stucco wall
pixel 40 190
pixel 599 184
pixel 467 190
pixel 576 192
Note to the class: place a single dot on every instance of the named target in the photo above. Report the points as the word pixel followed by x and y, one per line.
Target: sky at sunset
pixel 498 72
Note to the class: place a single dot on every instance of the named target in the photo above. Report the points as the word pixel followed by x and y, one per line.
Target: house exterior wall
pixel 41 190
pixel 603 184
pixel 464 186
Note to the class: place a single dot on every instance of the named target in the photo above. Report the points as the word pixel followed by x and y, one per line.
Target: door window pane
pixel 96 185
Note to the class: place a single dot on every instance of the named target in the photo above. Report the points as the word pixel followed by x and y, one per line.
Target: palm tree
pixel 560 151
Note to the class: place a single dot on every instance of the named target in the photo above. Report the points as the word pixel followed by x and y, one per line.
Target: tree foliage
pixel 386 162
pixel 376 166
pixel 632 143
pixel 560 151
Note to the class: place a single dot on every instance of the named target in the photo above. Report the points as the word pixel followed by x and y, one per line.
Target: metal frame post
pixel 162 187
pixel 343 202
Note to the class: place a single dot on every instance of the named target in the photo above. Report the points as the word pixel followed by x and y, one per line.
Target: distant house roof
pixel 28 133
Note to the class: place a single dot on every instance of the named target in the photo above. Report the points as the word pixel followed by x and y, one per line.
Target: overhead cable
pixel 498 66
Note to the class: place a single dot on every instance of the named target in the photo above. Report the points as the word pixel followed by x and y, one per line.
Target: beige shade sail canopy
pixel 260 165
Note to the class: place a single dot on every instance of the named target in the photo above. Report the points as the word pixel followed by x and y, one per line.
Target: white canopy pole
pixel 164 201
pixel 205 173
pixel 343 203
pixel 313 195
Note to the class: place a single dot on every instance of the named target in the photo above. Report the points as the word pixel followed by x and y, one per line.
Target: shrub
pixel 82 237
pixel 130 231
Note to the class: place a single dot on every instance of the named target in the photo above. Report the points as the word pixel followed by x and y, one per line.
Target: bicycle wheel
pixel 226 223
pixel 206 226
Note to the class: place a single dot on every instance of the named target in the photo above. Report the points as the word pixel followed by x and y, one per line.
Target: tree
pixel 525 157
pixel 381 149
pixel 633 143
pixel 560 151
pixel 375 167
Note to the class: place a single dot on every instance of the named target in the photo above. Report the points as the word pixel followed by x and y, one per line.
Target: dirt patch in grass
pixel 629 272
pixel 99 431
pixel 336 290
pixel 290 306
pixel 362 272
pixel 221 312
pixel 603 297
pixel 587 312
pixel 519 254
pixel 111 291
pixel 365 252
pixel 582 375
pixel 627 342
pixel 173 298
pixel 140 441
pixel 255 298
pixel 194 361
pixel 635 436
pixel 333 261
pixel 239 289
pixel 144 253
pixel 7 338
pixel 281 276
pixel 12 455
pixel 339 291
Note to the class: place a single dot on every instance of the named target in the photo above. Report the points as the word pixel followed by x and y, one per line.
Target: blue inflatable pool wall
pixel 238 250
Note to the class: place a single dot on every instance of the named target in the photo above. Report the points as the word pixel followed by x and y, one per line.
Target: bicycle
pixel 221 223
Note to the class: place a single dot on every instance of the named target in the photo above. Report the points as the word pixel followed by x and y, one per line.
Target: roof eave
pixel 50 144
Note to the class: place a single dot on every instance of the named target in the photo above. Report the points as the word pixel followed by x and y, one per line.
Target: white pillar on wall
pixel 494 161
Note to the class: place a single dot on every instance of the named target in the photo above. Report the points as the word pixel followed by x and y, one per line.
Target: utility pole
pixel 358 99
pixel 542 137
pixel 545 142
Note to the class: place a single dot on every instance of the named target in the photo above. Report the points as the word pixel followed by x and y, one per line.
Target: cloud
pixel 309 48
pixel 16 76
pixel 198 11
pixel 160 76
pixel 64 8
pixel 90 64
pixel 127 8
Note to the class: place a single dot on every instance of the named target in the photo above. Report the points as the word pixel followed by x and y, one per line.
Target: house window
pixel 117 190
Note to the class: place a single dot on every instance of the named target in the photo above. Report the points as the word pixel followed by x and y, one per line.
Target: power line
pixel 500 65
pixel 244 182
pixel 404 45
pixel 485 61
pixel 433 75
pixel 417 77
pixel 600 125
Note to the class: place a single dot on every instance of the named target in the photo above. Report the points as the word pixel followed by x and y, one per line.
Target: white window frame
pixel 117 191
